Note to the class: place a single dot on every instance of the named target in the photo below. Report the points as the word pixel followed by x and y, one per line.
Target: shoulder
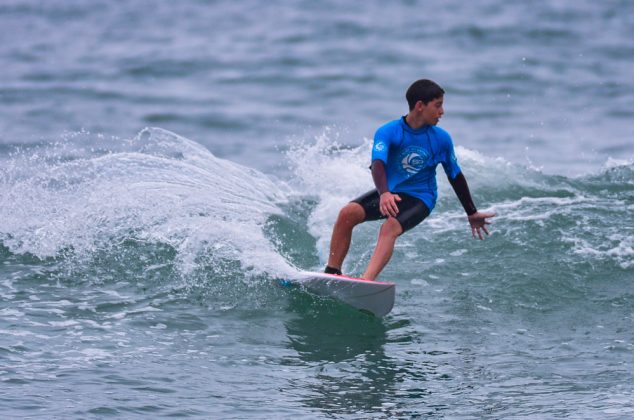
pixel 388 129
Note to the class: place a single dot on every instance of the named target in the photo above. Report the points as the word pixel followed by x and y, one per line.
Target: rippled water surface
pixel 138 265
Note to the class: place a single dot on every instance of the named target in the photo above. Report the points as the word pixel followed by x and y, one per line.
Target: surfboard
pixel 375 297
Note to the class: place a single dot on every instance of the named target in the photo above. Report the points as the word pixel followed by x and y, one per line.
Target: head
pixel 425 99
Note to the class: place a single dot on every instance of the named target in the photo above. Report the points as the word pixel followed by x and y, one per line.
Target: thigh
pixel 370 203
pixel 411 211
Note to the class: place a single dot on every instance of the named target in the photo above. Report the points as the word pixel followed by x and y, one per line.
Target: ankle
pixel 332 270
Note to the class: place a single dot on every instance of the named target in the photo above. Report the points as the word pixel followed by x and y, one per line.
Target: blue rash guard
pixel 411 156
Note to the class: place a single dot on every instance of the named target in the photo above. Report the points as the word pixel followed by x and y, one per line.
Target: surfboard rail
pixel 376 297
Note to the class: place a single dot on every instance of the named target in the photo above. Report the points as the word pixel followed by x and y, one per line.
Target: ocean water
pixel 163 163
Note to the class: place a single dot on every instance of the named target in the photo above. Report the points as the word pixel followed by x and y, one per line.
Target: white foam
pixel 157 187
pixel 458 252
pixel 419 282
pixel 334 174
pixel 615 163
pixel 617 247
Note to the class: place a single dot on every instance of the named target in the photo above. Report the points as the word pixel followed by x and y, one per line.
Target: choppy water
pixel 137 265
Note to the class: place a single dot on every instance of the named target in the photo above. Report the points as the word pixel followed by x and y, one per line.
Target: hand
pixel 478 220
pixel 387 204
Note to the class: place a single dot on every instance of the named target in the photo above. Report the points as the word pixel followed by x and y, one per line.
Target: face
pixel 433 111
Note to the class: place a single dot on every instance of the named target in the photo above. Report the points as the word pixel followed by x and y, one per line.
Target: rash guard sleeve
pixel 382 141
pixel 449 161
pixel 459 184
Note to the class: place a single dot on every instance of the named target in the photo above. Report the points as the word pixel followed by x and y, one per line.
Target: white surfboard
pixel 376 297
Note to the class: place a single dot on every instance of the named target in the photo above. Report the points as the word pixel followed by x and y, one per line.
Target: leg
pixel 349 216
pixel 390 230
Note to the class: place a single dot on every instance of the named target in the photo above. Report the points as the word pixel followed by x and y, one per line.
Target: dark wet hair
pixel 423 90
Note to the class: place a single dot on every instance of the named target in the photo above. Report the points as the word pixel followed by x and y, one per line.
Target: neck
pixel 414 121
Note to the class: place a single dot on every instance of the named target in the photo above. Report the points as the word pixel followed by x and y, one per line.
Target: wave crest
pixel 156 187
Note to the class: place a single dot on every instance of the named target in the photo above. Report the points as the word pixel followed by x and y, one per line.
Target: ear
pixel 419 106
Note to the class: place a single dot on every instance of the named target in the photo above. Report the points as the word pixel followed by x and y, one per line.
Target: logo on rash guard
pixel 413 159
pixel 379 146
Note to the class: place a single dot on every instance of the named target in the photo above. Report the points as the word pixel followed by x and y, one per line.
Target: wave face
pixel 71 199
pixel 155 188
pixel 151 251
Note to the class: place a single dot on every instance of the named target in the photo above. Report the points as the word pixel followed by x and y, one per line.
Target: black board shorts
pixel 411 210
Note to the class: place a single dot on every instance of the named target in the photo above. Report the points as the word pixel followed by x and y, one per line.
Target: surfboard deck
pixel 375 297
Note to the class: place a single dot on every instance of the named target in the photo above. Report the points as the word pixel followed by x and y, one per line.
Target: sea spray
pixel 157 187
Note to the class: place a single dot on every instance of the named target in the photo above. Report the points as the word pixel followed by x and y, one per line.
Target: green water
pixel 138 266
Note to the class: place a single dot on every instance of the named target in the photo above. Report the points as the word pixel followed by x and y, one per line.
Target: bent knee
pixel 391 227
pixel 352 213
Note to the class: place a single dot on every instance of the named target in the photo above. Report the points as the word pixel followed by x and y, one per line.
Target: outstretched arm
pixel 477 220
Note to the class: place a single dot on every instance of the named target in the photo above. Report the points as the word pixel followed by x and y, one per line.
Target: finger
pixel 394 208
pixel 485 230
pixel 385 210
pixel 397 197
pixel 480 235
pixel 473 232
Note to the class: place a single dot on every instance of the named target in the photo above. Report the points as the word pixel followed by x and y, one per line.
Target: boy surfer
pixel 405 154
